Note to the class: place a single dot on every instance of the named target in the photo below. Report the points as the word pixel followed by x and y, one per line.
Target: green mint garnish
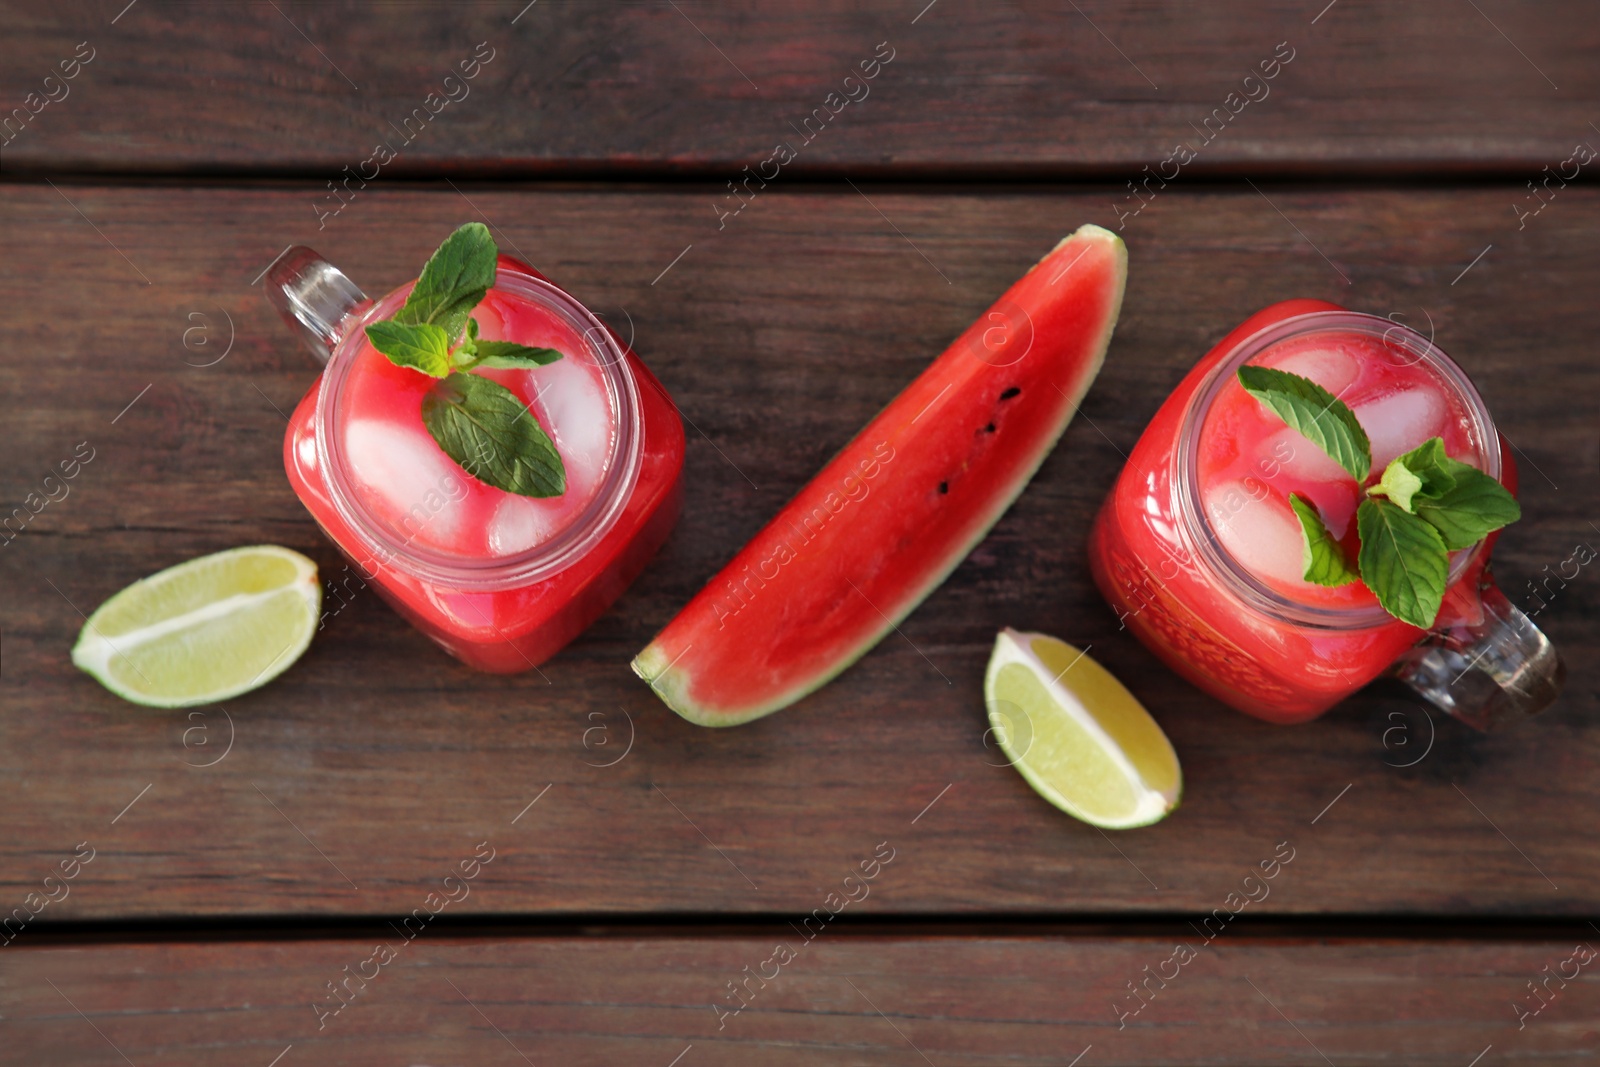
pixel 1320 416
pixel 453 281
pixel 1426 469
pixel 466 353
pixel 484 427
pixel 1322 560
pixel 1457 499
pixel 504 354
pixel 1403 561
pixel 1425 506
pixel 1399 483
pixel 425 348
pixel 479 423
pixel 1470 510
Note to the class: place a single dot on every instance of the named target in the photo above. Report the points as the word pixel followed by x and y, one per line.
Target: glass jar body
pixel 1155 563
pixel 496 620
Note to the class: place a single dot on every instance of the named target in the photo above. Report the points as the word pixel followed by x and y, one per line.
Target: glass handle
pixel 314 298
pixel 1498 671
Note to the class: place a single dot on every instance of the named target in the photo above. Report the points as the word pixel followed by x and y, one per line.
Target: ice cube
pixel 577 416
pixel 1400 422
pixel 1288 451
pixel 520 523
pixel 1330 368
pixel 417 484
pixel 1260 532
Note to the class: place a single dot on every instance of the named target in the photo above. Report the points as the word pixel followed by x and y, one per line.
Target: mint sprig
pixel 1322 560
pixel 484 421
pixel 1403 561
pixel 1320 416
pixel 453 280
pixel 1424 506
pixel 1464 504
pixel 498 355
pixel 425 348
pixel 505 355
pixel 478 422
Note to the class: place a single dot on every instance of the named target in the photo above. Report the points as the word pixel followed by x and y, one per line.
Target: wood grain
pixel 842 999
pixel 978 89
pixel 366 773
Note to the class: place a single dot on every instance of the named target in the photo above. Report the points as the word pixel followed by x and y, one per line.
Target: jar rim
pixel 1240 582
pixel 535 564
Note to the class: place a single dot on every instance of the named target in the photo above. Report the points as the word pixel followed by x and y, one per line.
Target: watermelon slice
pixel 901 505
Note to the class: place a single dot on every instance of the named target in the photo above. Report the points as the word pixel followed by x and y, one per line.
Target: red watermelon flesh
pixel 884 523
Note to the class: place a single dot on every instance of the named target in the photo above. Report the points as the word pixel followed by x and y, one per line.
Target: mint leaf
pixel 1457 499
pixel 466 353
pixel 1399 483
pixel 424 348
pixel 1472 508
pixel 1431 463
pixel 484 427
pixel 1322 559
pixel 1403 561
pixel 504 354
pixel 1432 466
pixel 1320 416
pixel 455 278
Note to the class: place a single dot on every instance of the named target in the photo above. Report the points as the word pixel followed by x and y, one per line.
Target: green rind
pixel 670 683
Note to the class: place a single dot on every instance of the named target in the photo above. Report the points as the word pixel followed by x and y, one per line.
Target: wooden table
pixel 247 856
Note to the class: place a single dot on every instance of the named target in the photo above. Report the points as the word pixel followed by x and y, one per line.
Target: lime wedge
pixel 205 630
pixel 1077 735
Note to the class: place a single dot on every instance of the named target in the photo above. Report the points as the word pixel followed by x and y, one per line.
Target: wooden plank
pixel 1033 88
pixel 843 998
pixel 365 774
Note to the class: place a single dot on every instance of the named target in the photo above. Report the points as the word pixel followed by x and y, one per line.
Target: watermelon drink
pixel 398 472
pixel 1248 461
pixel 500 580
pixel 1200 554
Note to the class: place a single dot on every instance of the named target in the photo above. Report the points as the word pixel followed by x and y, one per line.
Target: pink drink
pixel 1249 461
pixel 1198 553
pixel 400 474
pixel 501 581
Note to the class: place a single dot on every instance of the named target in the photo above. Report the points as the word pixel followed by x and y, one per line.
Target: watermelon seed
pixel 944 487
pixel 1009 393
pixel 989 428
